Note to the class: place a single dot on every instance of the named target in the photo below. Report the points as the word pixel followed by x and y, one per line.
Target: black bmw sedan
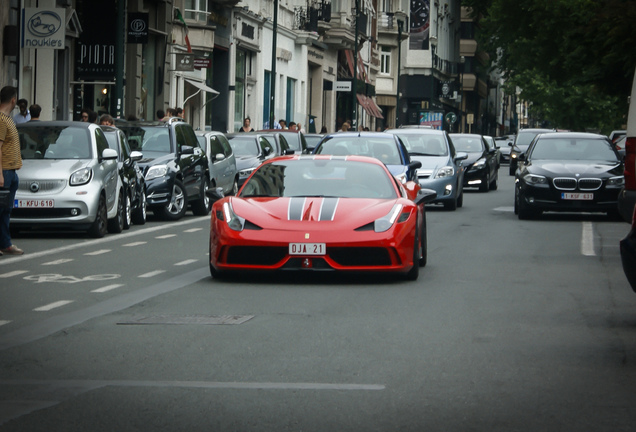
pixel 568 172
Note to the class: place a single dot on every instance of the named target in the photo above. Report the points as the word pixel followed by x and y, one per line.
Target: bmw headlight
pixel 246 172
pixel 385 222
pixel 479 164
pixel 233 220
pixel 616 181
pixel 156 171
pixel 446 171
pixel 81 177
pixel 534 179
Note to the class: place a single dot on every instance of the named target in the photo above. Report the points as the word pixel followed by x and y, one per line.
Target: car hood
pixel 317 213
pixel 162 159
pixel 574 168
pixel 472 158
pixel 244 162
pixel 431 162
pixel 40 169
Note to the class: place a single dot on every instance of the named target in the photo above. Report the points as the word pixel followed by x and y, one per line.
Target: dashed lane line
pixel 107 288
pixel 13 273
pixel 165 236
pixel 191 230
pixel 186 262
pixel 151 274
pixel 139 243
pixel 3 322
pixel 587 239
pixel 59 261
pixel 111 238
pixel 98 252
pixel 53 305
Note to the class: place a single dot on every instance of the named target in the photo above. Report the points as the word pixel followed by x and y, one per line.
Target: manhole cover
pixel 189 319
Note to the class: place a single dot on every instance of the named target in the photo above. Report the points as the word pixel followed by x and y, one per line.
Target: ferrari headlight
pixel 534 180
pixel 246 172
pixel 479 164
pixel 385 222
pixel 156 171
pixel 446 171
pixel 233 220
pixel 616 181
pixel 81 177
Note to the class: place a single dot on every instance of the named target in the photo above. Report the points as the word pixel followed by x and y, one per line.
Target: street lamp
pixel 400 23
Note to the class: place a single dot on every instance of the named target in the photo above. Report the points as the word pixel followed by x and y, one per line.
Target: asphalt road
pixel 512 326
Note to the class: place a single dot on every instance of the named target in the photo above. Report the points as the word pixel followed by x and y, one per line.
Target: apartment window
pixel 196 10
pixel 385 60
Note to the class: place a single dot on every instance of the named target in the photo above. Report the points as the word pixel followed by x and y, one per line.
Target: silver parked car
pixel 223 172
pixel 69 179
pixel 442 169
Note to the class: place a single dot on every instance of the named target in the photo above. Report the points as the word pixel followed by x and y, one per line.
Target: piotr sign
pixel 43 28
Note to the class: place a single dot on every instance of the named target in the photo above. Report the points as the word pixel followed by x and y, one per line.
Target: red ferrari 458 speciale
pixel 320 213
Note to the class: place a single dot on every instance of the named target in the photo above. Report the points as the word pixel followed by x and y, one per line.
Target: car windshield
pixel 243 145
pixel 55 142
pixel 384 149
pixel 313 140
pixel 152 141
pixel 424 145
pixel 525 138
pixel 320 178
pixel 590 149
pixel 468 144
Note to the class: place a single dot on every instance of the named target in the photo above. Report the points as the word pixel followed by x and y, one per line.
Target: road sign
pixel 450 118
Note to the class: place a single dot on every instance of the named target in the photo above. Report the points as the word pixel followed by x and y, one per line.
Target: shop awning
pixel 369 106
pixel 202 86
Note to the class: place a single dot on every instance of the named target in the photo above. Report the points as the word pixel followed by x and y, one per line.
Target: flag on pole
pixel 180 18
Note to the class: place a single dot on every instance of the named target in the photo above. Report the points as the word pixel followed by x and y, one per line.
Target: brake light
pixel 630 163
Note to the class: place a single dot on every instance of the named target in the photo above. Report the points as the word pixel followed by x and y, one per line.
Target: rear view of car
pixel 627 196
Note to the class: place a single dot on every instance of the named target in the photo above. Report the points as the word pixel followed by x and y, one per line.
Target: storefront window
pixel 239 89
pixel 147 105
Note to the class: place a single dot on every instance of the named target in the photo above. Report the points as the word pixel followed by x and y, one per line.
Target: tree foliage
pixel 573 60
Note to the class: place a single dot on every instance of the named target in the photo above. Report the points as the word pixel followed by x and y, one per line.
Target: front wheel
pixel 116 224
pixel 202 205
pixel 414 273
pixel 176 208
pixel 235 187
pixel 127 213
pixel 98 228
pixel 140 213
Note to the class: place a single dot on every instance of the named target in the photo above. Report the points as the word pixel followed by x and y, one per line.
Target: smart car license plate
pixel 307 249
pixel 578 196
pixel 33 203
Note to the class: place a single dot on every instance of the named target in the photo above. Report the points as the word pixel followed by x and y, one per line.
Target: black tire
pixel 493 184
pixel 414 273
pixel 424 247
pixel 525 212
pixel 127 212
pixel 450 205
pixel 512 168
pixel 460 199
pixel 116 224
pixel 235 187
pixel 202 205
pixel 98 228
pixel 485 183
pixel 516 201
pixel 177 206
pixel 141 212
pixel 216 274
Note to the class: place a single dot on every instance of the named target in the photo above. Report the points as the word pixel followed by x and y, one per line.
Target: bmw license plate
pixel 577 196
pixel 307 249
pixel 34 203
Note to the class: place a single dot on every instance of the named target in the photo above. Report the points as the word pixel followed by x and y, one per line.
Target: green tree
pixel 572 59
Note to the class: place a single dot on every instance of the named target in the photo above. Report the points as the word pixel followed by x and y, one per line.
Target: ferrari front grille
pixel 256 255
pixel 360 256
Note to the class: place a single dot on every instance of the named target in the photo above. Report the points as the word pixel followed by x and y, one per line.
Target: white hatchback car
pixel 68 179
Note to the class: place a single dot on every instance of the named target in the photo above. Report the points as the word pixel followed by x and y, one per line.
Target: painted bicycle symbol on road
pixel 53 277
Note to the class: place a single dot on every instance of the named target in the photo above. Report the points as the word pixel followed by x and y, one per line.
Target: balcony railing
pixel 307 18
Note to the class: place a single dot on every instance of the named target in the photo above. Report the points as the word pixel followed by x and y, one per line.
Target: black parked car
pixel 520 145
pixel 250 149
pixel 174 165
pixel 130 175
pixel 568 172
pixel 481 166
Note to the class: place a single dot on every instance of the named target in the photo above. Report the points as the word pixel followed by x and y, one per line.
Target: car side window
pixel 284 145
pixel 266 145
pixel 215 146
pixel 125 148
pixel 102 142
pixel 227 148
pixel 189 137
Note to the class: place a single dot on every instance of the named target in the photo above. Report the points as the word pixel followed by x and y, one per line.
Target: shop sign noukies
pixel 44 28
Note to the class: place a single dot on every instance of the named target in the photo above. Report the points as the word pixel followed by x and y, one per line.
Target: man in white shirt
pixel 24 115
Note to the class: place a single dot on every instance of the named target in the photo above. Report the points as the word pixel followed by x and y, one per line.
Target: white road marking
pixel 166 236
pixel 60 261
pixel 13 273
pixel 107 239
pixel 3 322
pixel 107 288
pixel 53 305
pixel 186 262
pixel 587 239
pixel 98 252
pixel 191 230
pixel 505 209
pixel 151 274
pixel 134 244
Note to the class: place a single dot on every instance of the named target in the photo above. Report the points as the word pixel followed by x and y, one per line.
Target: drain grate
pixel 188 319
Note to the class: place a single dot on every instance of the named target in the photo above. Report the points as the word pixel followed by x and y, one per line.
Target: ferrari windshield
pixel 591 149
pixel 55 142
pixel 320 178
pixel 384 149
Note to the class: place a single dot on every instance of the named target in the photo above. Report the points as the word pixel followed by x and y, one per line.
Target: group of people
pixel 27 113
pixel 169 112
pixel 282 124
pixel 10 158
pixel 89 116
